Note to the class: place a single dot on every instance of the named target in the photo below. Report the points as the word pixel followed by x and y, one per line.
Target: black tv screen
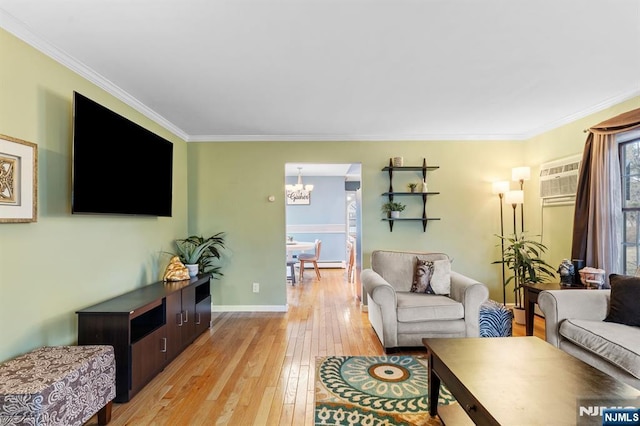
pixel 118 166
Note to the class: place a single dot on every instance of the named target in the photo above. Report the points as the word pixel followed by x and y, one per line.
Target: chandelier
pixel 299 186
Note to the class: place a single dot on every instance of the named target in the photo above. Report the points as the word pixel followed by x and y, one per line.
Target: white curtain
pixel 604 242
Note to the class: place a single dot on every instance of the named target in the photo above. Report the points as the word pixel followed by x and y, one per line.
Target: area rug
pixel 374 391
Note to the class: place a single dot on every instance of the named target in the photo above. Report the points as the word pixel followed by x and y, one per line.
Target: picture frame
pixel 18 180
pixel 298 197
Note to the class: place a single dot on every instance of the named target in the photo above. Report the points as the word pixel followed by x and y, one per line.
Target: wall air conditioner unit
pixel 559 180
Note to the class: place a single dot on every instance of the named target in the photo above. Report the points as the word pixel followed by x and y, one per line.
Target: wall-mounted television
pixel 118 167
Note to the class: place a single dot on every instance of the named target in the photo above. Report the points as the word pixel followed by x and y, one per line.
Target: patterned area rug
pixel 374 391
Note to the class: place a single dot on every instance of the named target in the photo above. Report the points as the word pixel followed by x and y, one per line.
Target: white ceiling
pixel 348 69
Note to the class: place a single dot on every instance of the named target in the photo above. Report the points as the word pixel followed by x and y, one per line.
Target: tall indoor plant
pixel 523 256
pixel 201 251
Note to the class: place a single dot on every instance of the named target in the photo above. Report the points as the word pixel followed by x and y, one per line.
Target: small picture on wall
pixel 8 179
pixel 18 180
pixel 300 197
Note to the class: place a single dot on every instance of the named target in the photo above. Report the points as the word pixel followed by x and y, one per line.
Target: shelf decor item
pixel 398 161
pixel 200 254
pixel 393 209
pixel 176 271
pixel 412 187
pixel 18 180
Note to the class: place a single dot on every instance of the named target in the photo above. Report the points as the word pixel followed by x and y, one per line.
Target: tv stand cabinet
pixel 147 328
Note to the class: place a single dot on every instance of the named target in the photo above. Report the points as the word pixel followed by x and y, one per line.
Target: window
pixel 629 152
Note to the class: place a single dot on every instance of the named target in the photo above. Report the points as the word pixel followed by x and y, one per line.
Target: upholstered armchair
pixel 402 317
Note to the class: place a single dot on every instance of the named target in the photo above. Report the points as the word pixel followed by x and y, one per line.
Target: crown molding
pixel 353 138
pixel 607 103
pixel 21 31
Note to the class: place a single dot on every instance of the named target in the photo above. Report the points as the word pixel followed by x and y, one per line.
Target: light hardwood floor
pixel 258 368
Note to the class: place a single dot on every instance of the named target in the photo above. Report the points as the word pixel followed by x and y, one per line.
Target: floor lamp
pixel 520 174
pixel 514 198
pixel 500 188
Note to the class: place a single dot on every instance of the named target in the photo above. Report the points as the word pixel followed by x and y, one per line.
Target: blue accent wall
pixel 324 218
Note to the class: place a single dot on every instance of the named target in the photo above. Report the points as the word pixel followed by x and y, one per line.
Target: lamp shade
pixel 514 197
pixel 500 187
pixel 520 173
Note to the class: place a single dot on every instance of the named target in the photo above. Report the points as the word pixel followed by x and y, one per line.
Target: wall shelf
pixel 424 195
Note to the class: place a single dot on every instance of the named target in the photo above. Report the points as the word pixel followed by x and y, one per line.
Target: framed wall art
pixel 18 180
pixel 298 197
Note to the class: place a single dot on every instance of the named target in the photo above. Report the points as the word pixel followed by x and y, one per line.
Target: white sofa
pixel 401 318
pixel 574 323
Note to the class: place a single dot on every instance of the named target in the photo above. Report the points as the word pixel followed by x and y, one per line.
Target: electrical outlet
pixel 256 287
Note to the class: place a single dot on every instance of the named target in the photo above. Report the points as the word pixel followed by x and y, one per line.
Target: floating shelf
pixel 391 193
pixel 400 219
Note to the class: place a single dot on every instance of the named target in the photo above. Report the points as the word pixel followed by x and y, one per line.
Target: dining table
pixel 293 246
pixel 299 246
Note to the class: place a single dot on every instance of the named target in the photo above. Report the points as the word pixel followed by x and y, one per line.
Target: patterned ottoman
pixel 495 320
pixel 62 385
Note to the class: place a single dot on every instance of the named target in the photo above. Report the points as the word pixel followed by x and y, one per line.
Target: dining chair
pixel 310 257
pixel 351 253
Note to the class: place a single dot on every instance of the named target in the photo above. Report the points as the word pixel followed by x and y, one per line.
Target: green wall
pixel 234 180
pixel 63 263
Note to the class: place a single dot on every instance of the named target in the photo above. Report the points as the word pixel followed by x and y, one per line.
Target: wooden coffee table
pixel 516 380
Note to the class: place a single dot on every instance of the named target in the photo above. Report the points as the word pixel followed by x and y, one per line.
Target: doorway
pixel 329 211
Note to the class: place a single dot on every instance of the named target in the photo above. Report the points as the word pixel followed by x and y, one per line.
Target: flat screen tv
pixel 118 167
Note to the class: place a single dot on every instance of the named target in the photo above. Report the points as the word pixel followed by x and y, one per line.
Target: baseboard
pixel 249 308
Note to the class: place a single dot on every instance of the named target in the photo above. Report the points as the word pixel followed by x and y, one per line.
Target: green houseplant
pixel 202 252
pixel 392 208
pixel 523 257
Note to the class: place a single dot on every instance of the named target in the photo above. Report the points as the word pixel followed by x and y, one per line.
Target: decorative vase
pixel 518 315
pixel 394 215
pixel 193 269
pixel 424 186
pixel 567 272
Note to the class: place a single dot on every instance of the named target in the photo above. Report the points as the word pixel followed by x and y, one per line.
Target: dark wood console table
pixel 147 328
pixel 531 292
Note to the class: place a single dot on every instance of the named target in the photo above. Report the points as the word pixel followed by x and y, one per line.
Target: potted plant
pixel 523 257
pixel 393 209
pixel 412 187
pixel 200 254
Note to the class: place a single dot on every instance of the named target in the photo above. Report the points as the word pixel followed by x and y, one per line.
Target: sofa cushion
pixel 414 307
pixel 624 307
pixel 397 267
pixel 617 343
pixel 432 277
